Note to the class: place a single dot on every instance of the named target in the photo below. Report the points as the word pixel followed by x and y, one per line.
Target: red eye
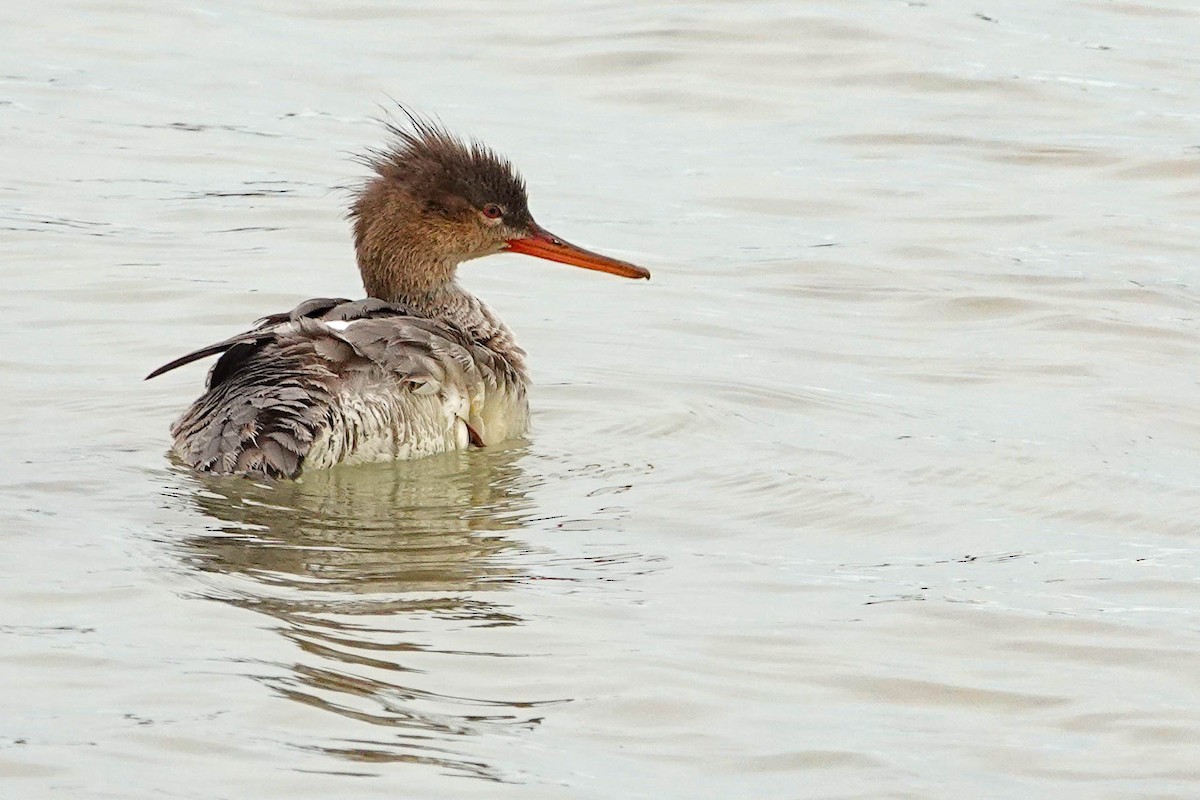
pixel 493 211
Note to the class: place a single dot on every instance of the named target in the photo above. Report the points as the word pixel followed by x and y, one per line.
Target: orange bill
pixel 543 244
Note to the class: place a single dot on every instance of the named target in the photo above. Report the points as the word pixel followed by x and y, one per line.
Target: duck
pixel 420 365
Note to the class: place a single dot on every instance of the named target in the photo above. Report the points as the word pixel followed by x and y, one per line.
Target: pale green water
pixel 886 486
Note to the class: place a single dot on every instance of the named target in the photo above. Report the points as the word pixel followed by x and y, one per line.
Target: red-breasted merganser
pixel 420 366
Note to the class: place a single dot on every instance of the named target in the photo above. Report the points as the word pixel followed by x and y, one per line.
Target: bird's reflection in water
pixel 366 570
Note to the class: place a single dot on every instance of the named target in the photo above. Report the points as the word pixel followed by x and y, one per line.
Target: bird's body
pixel 419 367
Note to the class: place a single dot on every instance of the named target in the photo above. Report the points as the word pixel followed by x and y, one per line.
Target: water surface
pixel 884 486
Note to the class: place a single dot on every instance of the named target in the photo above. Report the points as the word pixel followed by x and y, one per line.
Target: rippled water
pixel 885 486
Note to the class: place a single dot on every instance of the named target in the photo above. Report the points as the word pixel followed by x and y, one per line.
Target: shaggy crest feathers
pixel 430 162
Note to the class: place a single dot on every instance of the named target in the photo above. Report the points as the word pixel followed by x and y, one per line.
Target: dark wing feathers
pixel 247 338
pixel 262 330
pixel 326 309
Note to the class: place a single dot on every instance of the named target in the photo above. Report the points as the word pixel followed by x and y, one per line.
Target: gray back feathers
pixel 277 389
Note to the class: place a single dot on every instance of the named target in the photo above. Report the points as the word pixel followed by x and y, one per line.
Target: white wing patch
pixel 340 324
